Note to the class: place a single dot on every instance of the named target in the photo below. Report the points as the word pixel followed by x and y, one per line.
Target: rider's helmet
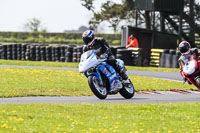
pixel 88 37
pixel 184 47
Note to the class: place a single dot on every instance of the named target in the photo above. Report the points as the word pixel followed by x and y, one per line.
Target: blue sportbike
pixel 102 77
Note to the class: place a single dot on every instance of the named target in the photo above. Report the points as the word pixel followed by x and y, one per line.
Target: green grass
pixel 82 117
pixel 75 65
pixel 38 82
pixel 118 118
pixel 38 63
pixel 33 82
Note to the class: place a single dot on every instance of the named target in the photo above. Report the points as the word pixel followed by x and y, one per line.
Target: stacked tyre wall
pixel 131 57
pixel 64 53
pixel 61 53
pixel 167 58
pixel 155 57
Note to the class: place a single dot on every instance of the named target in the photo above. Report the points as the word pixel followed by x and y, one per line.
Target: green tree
pixel 115 13
pixel 34 25
pixel 88 4
pixel 111 12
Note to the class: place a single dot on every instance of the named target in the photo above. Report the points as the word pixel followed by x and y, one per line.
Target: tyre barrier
pixel 27 53
pixel 164 58
pixel 9 52
pixel 23 51
pixel 130 56
pixel 155 57
pixel 125 55
pixel 35 52
pixel 14 52
pixel 175 63
pixel 4 52
pixel 74 54
pixel 68 54
pixel 32 53
pixel 172 51
pixel 137 57
pixel 114 51
pixel 53 54
pixel 169 60
pixel 48 53
pixel 19 50
pixel 79 53
pixel 61 53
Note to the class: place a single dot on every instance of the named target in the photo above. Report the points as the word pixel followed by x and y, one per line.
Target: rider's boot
pixel 125 78
pixel 123 74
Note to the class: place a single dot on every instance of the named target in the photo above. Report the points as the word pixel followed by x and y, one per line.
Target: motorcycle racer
pixel 186 52
pixel 103 51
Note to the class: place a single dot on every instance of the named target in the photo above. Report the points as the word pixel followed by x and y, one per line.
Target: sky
pixel 55 15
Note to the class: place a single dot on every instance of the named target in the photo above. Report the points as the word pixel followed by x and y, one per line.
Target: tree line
pixel 114 13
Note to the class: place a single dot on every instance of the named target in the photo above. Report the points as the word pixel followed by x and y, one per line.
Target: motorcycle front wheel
pixel 127 91
pixel 98 90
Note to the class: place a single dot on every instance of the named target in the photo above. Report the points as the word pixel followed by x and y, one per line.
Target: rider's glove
pixel 103 56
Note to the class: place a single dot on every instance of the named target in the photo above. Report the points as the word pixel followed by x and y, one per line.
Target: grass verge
pixel 38 63
pixel 75 65
pixel 118 118
pixel 39 82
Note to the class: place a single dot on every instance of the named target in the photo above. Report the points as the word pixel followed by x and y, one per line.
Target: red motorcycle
pixel 190 69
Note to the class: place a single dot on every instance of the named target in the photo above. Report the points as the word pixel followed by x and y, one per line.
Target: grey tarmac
pixel 166 97
pixel 138 98
pixel 175 76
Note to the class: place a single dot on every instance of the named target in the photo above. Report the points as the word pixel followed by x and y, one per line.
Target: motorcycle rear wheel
pixel 127 92
pixel 98 90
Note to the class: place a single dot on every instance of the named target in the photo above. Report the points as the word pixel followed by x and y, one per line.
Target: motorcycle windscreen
pixel 189 67
pixel 86 55
pixel 88 60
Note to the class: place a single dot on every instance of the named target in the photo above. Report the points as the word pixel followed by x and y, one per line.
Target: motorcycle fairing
pixel 97 74
pixel 87 58
pixel 110 73
pixel 189 67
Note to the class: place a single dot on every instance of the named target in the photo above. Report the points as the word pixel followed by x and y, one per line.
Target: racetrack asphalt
pixel 167 97
pixel 175 76
pixel 138 98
